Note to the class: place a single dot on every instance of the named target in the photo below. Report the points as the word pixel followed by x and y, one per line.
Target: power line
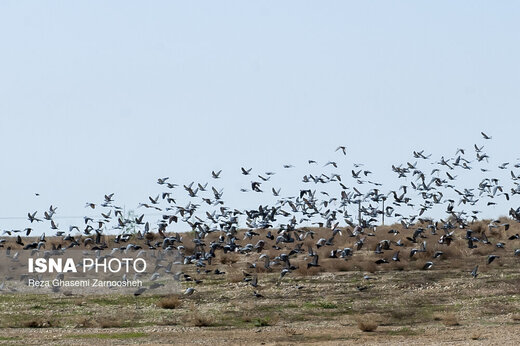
pixel 72 217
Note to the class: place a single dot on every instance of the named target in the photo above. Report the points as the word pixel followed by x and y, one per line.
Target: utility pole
pixel 359 213
pixel 383 211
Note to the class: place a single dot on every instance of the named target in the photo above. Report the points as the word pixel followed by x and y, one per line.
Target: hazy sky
pixel 100 97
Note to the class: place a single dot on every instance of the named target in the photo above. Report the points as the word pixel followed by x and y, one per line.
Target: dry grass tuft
pixel 366 323
pixel 367 326
pixel 247 317
pixel 84 322
pixel 266 321
pixel 229 258
pixel 304 271
pixel 290 331
pixel 200 320
pixel 330 265
pixel 37 323
pixel 79 302
pixel 343 266
pixel 168 321
pixel 195 318
pixel 398 313
pixel 234 277
pixel 110 322
pixel 450 320
pixel 478 228
pixel 367 266
pixel 149 236
pixel 476 336
pixel 171 302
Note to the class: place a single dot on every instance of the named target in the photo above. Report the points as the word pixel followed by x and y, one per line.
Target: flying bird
pixel 343 149
pixel 485 136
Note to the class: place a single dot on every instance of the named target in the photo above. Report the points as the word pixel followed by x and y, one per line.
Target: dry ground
pixel 323 305
pixel 423 306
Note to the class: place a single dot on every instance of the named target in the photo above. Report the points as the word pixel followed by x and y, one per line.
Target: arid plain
pixel 342 300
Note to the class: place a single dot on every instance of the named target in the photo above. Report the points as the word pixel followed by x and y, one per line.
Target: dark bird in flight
pixel 343 149
pixel 485 136
pixel 474 273
pixel 491 258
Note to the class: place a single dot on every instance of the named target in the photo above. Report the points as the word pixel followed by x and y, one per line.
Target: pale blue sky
pixel 100 97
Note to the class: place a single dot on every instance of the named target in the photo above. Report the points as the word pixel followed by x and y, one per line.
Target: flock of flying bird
pixel 283 226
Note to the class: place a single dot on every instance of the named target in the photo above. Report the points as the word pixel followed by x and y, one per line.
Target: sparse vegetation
pixel 171 302
pixel 85 322
pixel 120 336
pixel 110 322
pixel 366 324
pixel 37 323
pixel 265 321
pixel 398 300
pixel 427 302
pixel 476 335
pixel 450 320
pixel 196 318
